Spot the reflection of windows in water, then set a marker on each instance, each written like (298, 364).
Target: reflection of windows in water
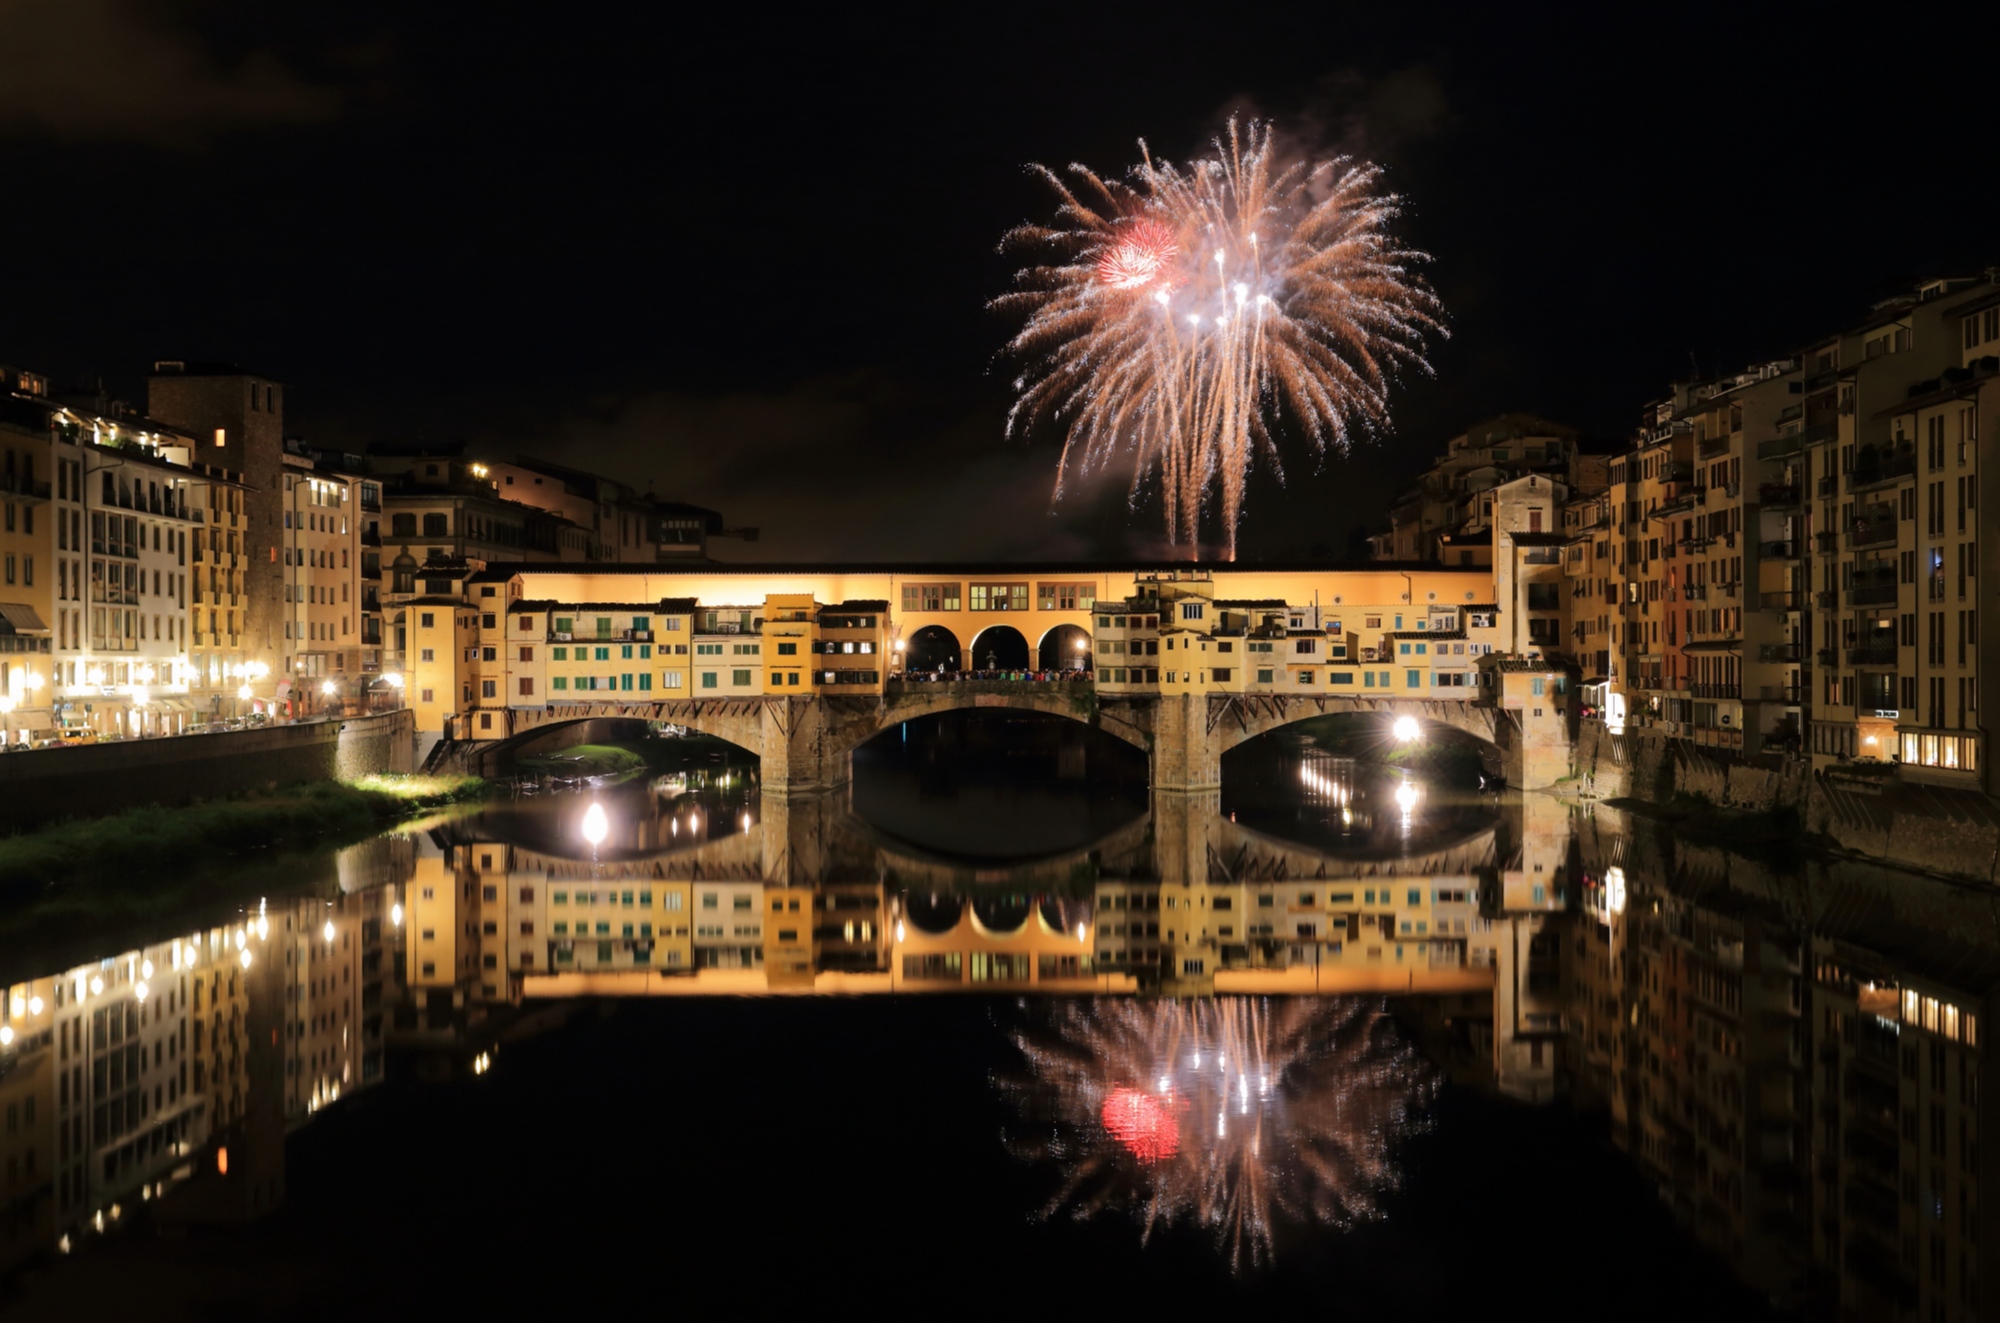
(936, 965)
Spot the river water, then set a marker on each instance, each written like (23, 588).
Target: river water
(995, 1024)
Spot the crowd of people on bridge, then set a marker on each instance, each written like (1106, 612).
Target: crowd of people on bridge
(943, 675)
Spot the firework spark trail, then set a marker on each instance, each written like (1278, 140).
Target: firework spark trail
(1256, 1113)
(1178, 316)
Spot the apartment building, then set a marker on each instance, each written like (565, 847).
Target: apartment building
(321, 556)
(234, 421)
(27, 599)
(1446, 516)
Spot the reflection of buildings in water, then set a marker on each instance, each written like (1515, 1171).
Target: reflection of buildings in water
(1237, 1115)
(177, 1066)
(1797, 1059)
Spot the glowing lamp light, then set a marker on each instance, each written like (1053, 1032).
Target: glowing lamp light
(328, 930)
(222, 1162)
(1144, 1124)
(244, 693)
(1406, 730)
(145, 969)
(595, 825)
(1406, 797)
(34, 1005)
(6, 1035)
(244, 957)
(396, 915)
(329, 688)
(1614, 889)
(97, 987)
(139, 991)
(1081, 930)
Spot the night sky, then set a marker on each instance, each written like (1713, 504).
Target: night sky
(742, 256)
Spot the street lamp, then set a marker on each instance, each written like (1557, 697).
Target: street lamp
(1407, 730)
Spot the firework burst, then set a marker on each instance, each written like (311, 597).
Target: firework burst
(1175, 316)
(1238, 1115)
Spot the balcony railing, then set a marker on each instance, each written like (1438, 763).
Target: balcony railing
(1872, 654)
(1826, 540)
(1871, 592)
(1826, 487)
(1778, 447)
(1824, 599)
(1872, 467)
(1781, 652)
(1783, 693)
(1694, 592)
(1784, 549)
(1777, 494)
(1716, 690)
(1779, 599)
(1873, 527)
(1712, 445)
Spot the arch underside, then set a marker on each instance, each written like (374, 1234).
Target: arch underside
(1235, 719)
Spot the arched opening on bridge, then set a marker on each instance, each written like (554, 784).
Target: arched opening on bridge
(1369, 785)
(1064, 648)
(998, 648)
(932, 913)
(1002, 915)
(931, 648)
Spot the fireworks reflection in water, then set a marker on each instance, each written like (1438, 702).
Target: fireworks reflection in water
(1246, 1117)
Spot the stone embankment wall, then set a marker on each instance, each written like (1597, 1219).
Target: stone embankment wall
(1948, 831)
(97, 779)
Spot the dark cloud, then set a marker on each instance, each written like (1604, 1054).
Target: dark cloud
(860, 466)
(127, 71)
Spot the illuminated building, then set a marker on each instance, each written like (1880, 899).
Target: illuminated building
(321, 558)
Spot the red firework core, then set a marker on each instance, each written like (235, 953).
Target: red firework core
(1141, 254)
(1142, 1123)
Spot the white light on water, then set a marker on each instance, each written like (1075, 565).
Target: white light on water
(595, 825)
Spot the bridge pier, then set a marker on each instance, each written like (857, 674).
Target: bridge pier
(1185, 757)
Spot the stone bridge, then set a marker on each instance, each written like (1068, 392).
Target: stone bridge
(806, 743)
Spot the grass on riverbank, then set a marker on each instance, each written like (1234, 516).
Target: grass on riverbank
(582, 760)
(141, 845)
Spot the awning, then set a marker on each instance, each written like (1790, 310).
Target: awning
(20, 618)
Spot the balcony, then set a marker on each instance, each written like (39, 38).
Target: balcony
(1781, 652)
(1710, 446)
(1779, 599)
(1789, 694)
(1874, 466)
(1777, 495)
(1873, 527)
(1827, 488)
(1872, 591)
(1826, 541)
(1872, 654)
(1824, 599)
(1715, 690)
(1678, 470)
(1826, 656)
(1694, 592)
(1784, 549)
(24, 489)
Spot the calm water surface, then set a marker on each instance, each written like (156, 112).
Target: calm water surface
(1345, 1035)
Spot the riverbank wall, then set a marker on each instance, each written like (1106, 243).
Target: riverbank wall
(49, 785)
(1864, 810)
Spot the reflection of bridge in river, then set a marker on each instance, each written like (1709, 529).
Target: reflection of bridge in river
(806, 897)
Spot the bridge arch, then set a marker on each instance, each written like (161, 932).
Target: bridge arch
(1235, 719)
(1063, 647)
(932, 647)
(998, 647)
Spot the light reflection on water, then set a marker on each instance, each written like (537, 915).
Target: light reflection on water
(1524, 947)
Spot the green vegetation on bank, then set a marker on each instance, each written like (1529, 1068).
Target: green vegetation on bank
(582, 760)
(145, 844)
